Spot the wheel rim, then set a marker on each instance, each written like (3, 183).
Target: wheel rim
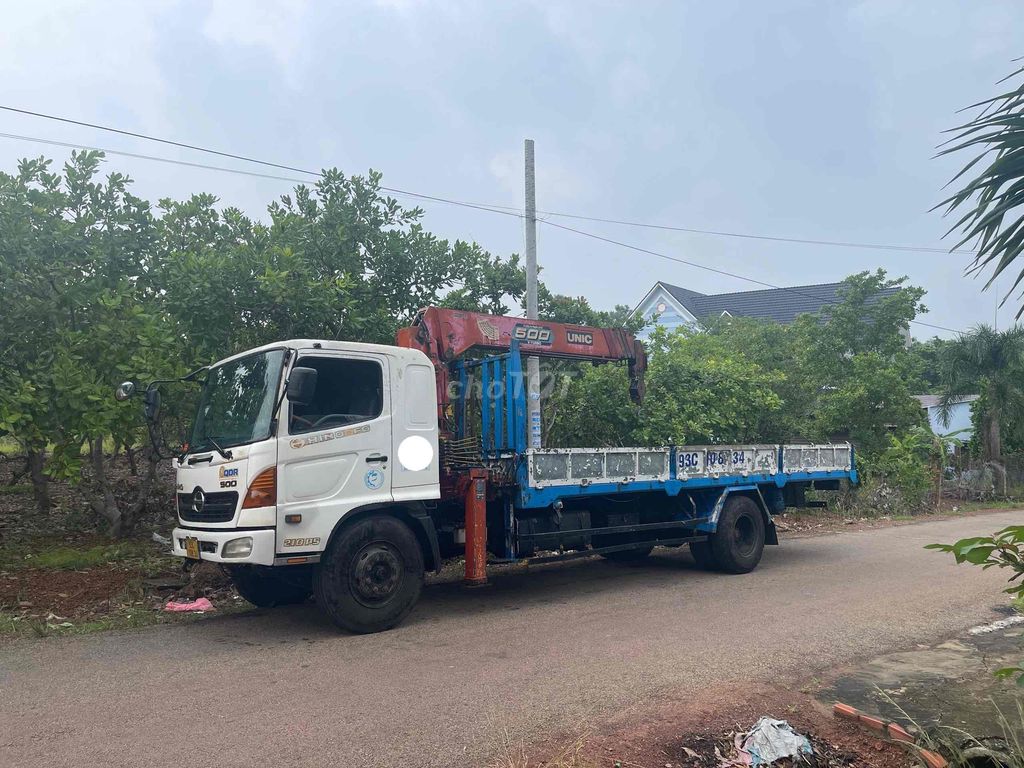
(377, 574)
(744, 535)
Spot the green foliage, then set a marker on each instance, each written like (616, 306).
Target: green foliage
(338, 260)
(927, 360)
(77, 252)
(577, 310)
(844, 375)
(1003, 549)
(698, 391)
(904, 465)
(108, 291)
(993, 198)
(991, 363)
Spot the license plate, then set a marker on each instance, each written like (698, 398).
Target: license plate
(192, 547)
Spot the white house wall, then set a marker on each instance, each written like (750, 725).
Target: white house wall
(670, 313)
(959, 419)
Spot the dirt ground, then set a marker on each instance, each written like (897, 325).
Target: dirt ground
(819, 522)
(684, 735)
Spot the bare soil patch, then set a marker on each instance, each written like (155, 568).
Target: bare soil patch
(686, 733)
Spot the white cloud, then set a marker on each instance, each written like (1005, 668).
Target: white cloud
(556, 183)
(280, 26)
(628, 83)
(71, 57)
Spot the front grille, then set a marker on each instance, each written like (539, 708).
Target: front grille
(217, 507)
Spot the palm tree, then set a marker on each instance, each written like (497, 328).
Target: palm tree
(995, 219)
(991, 363)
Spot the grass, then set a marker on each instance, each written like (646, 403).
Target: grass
(124, 619)
(18, 489)
(72, 558)
(1005, 749)
(17, 626)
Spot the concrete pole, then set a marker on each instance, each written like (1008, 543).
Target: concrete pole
(532, 363)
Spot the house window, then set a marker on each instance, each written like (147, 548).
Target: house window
(348, 391)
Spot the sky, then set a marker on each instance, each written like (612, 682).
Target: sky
(796, 119)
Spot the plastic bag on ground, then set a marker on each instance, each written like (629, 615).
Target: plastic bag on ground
(770, 740)
(198, 606)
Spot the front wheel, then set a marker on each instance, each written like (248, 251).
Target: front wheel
(371, 575)
(265, 589)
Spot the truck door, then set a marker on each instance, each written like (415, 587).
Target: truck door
(334, 452)
(414, 426)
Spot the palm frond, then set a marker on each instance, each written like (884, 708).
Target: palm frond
(991, 202)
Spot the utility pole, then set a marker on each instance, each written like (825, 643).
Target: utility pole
(532, 363)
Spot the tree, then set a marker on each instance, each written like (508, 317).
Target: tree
(993, 198)
(991, 363)
(927, 356)
(577, 310)
(698, 391)
(76, 250)
(338, 260)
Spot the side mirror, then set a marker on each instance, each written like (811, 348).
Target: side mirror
(151, 404)
(301, 385)
(124, 390)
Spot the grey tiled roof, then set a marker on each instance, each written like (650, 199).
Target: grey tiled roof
(782, 305)
(930, 401)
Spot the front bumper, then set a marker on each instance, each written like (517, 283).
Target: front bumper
(211, 544)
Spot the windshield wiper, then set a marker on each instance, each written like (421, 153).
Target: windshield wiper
(226, 454)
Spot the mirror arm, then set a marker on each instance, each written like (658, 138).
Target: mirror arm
(284, 391)
(195, 374)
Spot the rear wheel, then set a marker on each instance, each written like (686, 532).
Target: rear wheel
(265, 589)
(738, 543)
(371, 575)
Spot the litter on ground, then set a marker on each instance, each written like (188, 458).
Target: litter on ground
(197, 606)
(767, 742)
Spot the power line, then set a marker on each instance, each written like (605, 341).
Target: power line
(491, 207)
(168, 160)
(254, 174)
(695, 264)
(801, 241)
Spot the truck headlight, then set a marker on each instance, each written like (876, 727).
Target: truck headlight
(238, 548)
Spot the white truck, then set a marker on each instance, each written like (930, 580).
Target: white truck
(346, 470)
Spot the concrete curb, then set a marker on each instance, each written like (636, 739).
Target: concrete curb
(892, 731)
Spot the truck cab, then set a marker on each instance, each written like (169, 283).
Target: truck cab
(270, 472)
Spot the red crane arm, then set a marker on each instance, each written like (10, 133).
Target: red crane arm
(445, 335)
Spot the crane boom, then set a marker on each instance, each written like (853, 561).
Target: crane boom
(446, 335)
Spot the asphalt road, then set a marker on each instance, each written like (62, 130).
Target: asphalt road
(532, 654)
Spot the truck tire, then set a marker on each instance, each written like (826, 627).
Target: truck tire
(264, 589)
(627, 555)
(371, 575)
(704, 555)
(738, 543)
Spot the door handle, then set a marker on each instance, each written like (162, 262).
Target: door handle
(376, 459)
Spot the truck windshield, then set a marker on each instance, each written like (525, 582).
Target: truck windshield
(237, 402)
